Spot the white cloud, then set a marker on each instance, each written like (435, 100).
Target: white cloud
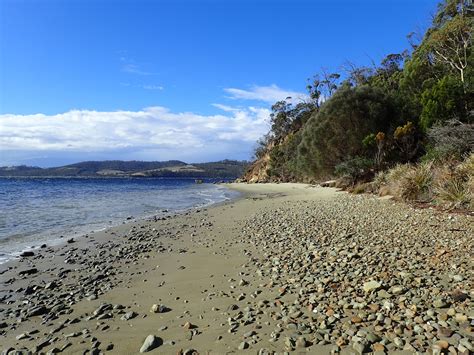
(226, 108)
(269, 94)
(153, 87)
(147, 129)
(153, 133)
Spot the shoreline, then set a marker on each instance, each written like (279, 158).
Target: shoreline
(237, 277)
(60, 238)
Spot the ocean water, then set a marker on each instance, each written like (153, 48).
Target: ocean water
(34, 211)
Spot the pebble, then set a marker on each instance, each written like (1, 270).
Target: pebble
(151, 342)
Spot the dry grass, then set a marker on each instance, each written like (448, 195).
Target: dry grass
(454, 186)
(448, 184)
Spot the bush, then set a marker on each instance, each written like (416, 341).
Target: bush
(354, 168)
(410, 182)
(336, 132)
(451, 141)
(442, 102)
(416, 184)
(454, 188)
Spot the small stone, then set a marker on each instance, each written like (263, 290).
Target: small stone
(373, 338)
(444, 332)
(159, 308)
(465, 342)
(109, 347)
(22, 336)
(129, 315)
(361, 347)
(243, 345)
(189, 325)
(460, 318)
(151, 342)
(441, 344)
(440, 303)
(378, 347)
(371, 286)
(27, 254)
(398, 342)
(396, 290)
(301, 343)
(242, 282)
(383, 294)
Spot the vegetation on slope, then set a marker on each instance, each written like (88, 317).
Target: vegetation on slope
(118, 168)
(415, 106)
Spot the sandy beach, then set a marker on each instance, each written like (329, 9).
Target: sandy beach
(286, 267)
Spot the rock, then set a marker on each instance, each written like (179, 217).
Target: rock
(232, 307)
(109, 347)
(441, 345)
(371, 286)
(27, 254)
(129, 315)
(243, 345)
(383, 294)
(398, 342)
(50, 285)
(22, 336)
(444, 332)
(397, 290)
(378, 347)
(460, 318)
(189, 325)
(459, 296)
(440, 303)
(28, 272)
(242, 282)
(467, 344)
(373, 338)
(289, 342)
(151, 342)
(301, 343)
(159, 308)
(37, 311)
(361, 347)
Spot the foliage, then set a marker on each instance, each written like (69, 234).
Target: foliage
(453, 140)
(337, 130)
(407, 141)
(449, 183)
(283, 164)
(262, 147)
(414, 182)
(368, 119)
(442, 102)
(354, 168)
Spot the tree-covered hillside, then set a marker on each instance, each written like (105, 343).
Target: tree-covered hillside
(414, 106)
(117, 168)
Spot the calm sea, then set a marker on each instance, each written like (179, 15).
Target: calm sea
(47, 210)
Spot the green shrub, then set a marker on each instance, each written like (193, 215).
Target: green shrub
(335, 133)
(442, 102)
(354, 168)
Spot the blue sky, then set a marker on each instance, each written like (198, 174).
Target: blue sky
(158, 80)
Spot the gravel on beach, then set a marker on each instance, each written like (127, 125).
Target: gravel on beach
(348, 274)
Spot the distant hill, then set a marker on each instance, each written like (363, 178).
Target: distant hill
(118, 168)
